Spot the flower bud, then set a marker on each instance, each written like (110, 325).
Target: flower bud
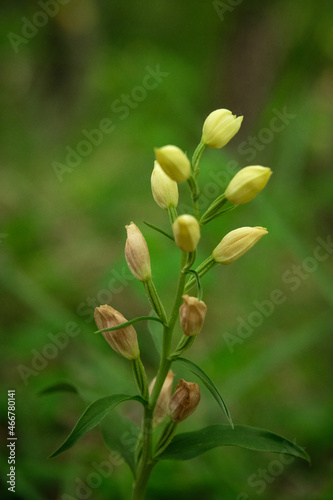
(237, 243)
(124, 341)
(186, 231)
(184, 401)
(164, 189)
(137, 253)
(219, 127)
(174, 162)
(247, 183)
(192, 315)
(162, 405)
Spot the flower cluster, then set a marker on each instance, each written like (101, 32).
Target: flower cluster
(160, 402)
(172, 166)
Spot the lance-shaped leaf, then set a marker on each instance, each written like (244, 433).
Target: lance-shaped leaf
(208, 383)
(92, 416)
(159, 230)
(118, 433)
(191, 444)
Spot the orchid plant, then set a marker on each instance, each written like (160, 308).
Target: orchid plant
(164, 408)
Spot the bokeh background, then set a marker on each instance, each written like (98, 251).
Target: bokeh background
(64, 205)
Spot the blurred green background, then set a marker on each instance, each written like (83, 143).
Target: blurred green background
(87, 64)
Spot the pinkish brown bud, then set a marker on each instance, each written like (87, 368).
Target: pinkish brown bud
(124, 341)
(184, 401)
(192, 315)
(137, 253)
(162, 405)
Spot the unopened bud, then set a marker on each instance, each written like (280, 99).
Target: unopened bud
(164, 189)
(162, 405)
(124, 340)
(219, 127)
(174, 162)
(184, 401)
(137, 253)
(247, 183)
(192, 315)
(237, 243)
(186, 231)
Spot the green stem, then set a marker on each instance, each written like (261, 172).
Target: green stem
(196, 158)
(184, 344)
(213, 209)
(173, 214)
(167, 335)
(195, 193)
(201, 270)
(165, 437)
(141, 378)
(154, 299)
(146, 463)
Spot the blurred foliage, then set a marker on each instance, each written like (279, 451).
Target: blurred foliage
(61, 243)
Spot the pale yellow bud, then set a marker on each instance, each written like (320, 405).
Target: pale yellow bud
(124, 341)
(137, 253)
(162, 405)
(192, 315)
(237, 243)
(184, 401)
(174, 162)
(247, 183)
(219, 127)
(164, 189)
(186, 231)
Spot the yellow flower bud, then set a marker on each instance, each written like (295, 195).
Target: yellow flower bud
(184, 401)
(174, 162)
(164, 189)
(247, 183)
(186, 231)
(137, 253)
(219, 127)
(237, 243)
(192, 315)
(124, 341)
(162, 405)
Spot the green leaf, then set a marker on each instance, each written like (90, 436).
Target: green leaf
(208, 383)
(92, 416)
(191, 444)
(122, 435)
(159, 230)
(128, 323)
(59, 387)
(119, 434)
